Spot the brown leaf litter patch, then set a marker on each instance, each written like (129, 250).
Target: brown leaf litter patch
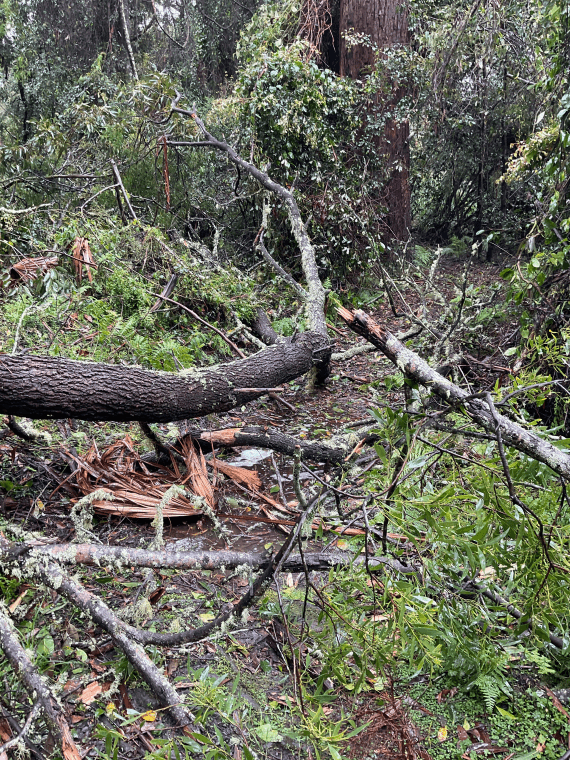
(138, 487)
(389, 732)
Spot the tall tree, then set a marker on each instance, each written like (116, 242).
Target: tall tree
(380, 25)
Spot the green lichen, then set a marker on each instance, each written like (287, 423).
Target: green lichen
(82, 514)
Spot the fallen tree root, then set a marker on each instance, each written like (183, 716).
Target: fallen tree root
(28, 674)
(476, 408)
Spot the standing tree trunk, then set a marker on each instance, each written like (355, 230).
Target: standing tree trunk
(385, 23)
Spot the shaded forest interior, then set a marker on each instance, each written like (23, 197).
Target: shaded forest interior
(284, 379)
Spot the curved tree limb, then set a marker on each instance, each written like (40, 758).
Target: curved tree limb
(57, 579)
(315, 296)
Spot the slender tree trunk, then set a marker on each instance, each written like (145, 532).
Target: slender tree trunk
(127, 37)
(385, 22)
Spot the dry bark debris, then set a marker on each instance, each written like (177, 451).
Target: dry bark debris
(474, 407)
(27, 270)
(138, 488)
(82, 257)
(137, 492)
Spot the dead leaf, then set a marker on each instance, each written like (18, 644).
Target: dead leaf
(442, 734)
(5, 730)
(90, 692)
(16, 603)
(446, 694)
(462, 734)
(157, 595)
(97, 667)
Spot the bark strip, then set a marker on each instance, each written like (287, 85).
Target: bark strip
(478, 410)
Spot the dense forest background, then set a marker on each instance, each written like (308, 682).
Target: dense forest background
(426, 147)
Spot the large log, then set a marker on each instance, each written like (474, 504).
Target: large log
(44, 387)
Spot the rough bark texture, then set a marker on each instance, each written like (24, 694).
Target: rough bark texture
(386, 23)
(27, 672)
(416, 368)
(43, 387)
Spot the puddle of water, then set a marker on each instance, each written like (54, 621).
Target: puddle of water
(250, 457)
(247, 532)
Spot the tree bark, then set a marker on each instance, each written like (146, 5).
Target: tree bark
(414, 367)
(385, 22)
(42, 387)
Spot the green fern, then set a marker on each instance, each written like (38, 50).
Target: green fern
(494, 682)
(490, 690)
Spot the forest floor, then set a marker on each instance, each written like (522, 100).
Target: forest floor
(242, 683)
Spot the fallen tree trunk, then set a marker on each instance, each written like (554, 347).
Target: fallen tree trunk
(44, 387)
(414, 367)
(334, 452)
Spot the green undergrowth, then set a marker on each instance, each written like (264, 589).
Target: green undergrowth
(110, 318)
(527, 724)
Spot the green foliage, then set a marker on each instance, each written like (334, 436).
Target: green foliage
(471, 68)
(317, 131)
